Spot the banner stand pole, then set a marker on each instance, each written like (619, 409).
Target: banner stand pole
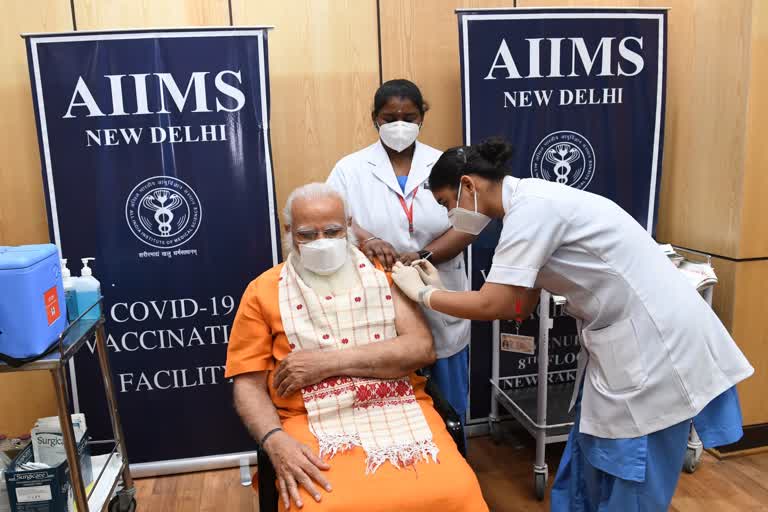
(176, 466)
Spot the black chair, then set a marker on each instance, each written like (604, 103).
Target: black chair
(268, 495)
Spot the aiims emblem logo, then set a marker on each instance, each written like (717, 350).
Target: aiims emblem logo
(564, 157)
(163, 212)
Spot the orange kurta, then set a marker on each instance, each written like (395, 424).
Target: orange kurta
(257, 342)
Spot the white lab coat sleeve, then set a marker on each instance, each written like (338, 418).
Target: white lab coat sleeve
(337, 180)
(532, 231)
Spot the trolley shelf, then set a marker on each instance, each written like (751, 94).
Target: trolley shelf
(70, 342)
(108, 469)
(522, 405)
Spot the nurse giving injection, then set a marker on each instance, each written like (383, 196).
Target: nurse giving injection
(654, 355)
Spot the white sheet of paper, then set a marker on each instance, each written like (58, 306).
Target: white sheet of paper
(33, 494)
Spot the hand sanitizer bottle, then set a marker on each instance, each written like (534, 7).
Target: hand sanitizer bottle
(88, 292)
(69, 292)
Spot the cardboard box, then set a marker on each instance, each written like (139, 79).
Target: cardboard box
(45, 490)
(5, 505)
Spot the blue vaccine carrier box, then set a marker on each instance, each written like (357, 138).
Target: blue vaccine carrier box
(32, 303)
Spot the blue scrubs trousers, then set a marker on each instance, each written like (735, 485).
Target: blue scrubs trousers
(451, 374)
(638, 474)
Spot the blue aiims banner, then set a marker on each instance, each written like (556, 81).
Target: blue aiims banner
(579, 93)
(156, 162)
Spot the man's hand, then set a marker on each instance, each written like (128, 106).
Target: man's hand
(295, 464)
(301, 369)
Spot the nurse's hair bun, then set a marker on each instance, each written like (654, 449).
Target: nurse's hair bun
(495, 150)
(486, 159)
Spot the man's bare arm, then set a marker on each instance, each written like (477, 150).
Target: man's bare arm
(295, 464)
(254, 405)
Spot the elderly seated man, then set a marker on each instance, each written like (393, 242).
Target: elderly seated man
(322, 352)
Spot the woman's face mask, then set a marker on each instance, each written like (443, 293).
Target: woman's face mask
(399, 135)
(467, 221)
(324, 256)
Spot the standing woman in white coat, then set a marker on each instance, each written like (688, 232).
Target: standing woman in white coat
(396, 219)
(654, 356)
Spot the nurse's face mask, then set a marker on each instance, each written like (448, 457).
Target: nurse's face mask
(323, 256)
(467, 221)
(399, 135)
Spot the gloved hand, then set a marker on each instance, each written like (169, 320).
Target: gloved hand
(410, 282)
(428, 273)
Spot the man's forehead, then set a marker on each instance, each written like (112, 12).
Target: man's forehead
(320, 210)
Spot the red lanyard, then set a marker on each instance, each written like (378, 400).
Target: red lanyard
(409, 212)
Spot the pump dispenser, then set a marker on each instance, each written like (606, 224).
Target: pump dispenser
(88, 291)
(69, 292)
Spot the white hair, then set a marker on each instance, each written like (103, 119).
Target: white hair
(312, 191)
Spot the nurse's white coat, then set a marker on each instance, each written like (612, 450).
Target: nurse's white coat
(367, 180)
(654, 352)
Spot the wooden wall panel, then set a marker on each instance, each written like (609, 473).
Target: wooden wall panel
(420, 42)
(324, 70)
(750, 332)
(723, 300)
(23, 398)
(101, 14)
(754, 217)
(708, 70)
(741, 302)
(22, 207)
(578, 3)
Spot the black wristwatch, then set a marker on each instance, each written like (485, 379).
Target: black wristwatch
(425, 255)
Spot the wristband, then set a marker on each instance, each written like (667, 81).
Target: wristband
(425, 255)
(269, 434)
(369, 239)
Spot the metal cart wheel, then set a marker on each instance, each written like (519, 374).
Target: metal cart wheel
(115, 505)
(540, 485)
(693, 452)
(692, 460)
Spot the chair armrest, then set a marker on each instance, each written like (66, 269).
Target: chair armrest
(442, 405)
(448, 414)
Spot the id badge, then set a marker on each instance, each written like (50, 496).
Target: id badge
(518, 343)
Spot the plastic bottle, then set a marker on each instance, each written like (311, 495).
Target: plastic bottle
(69, 292)
(88, 292)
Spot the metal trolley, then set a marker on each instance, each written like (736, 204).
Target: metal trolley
(695, 446)
(544, 411)
(109, 470)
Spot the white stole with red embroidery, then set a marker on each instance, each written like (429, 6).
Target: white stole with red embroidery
(381, 416)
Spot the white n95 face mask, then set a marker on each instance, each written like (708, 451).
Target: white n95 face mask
(398, 135)
(325, 256)
(466, 221)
